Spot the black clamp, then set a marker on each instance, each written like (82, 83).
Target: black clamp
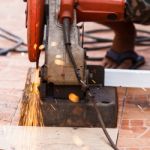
(95, 75)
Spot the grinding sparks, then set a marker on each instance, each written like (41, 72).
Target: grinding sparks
(35, 46)
(58, 56)
(59, 62)
(53, 44)
(22, 54)
(31, 113)
(73, 98)
(144, 89)
(41, 47)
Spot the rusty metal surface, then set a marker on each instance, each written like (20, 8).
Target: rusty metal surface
(59, 70)
(63, 113)
(59, 112)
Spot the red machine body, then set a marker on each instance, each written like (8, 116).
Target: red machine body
(86, 10)
(93, 10)
(100, 10)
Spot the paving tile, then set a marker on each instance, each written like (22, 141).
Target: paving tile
(136, 123)
(132, 142)
(125, 123)
(4, 122)
(133, 132)
(138, 91)
(7, 115)
(9, 98)
(147, 123)
(148, 148)
(146, 134)
(132, 149)
(136, 112)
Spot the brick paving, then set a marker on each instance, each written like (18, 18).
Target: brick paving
(134, 125)
(12, 78)
(135, 128)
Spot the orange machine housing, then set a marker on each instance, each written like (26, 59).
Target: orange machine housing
(93, 10)
(100, 10)
(87, 10)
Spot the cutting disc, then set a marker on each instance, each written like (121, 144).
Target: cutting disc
(35, 28)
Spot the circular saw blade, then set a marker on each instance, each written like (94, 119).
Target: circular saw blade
(35, 28)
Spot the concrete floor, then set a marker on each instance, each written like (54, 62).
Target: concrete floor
(134, 125)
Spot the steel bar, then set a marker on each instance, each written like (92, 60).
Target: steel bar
(127, 78)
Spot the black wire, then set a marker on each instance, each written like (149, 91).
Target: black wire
(91, 97)
(96, 48)
(98, 30)
(13, 38)
(101, 121)
(66, 33)
(77, 71)
(93, 58)
(139, 41)
(98, 39)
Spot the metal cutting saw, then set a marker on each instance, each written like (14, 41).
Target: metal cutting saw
(65, 72)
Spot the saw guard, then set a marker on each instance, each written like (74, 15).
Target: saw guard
(35, 28)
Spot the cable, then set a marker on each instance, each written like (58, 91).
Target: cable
(66, 33)
(139, 41)
(123, 105)
(13, 38)
(93, 58)
(101, 121)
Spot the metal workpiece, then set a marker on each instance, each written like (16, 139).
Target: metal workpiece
(59, 69)
(63, 113)
(127, 78)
